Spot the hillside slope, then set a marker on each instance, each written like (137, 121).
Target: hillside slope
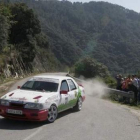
(106, 32)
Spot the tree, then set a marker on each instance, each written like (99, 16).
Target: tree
(22, 33)
(4, 26)
(109, 33)
(3, 32)
(90, 68)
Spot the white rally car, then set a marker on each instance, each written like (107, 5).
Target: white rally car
(42, 98)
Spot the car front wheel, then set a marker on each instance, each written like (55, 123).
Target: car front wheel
(52, 114)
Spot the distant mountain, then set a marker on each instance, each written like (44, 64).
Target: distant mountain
(106, 32)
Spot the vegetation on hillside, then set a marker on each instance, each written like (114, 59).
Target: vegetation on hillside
(22, 44)
(106, 32)
(65, 32)
(90, 68)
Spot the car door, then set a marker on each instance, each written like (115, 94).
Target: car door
(64, 98)
(73, 93)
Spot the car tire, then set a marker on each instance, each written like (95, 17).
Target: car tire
(78, 105)
(52, 114)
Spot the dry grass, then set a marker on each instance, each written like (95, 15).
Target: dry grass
(4, 88)
(7, 83)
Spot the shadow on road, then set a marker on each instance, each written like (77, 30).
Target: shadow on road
(18, 125)
(65, 113)
(138, 125)
(23, 125)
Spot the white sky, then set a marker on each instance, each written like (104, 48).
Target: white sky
(130, 4)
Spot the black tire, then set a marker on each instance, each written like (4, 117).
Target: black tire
(78, 105)
(52, 114)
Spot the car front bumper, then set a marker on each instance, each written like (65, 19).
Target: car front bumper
(28, 114)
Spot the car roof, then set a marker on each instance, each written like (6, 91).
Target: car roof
(59, 77)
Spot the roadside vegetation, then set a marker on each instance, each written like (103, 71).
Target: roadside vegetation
(52, 35)
(90, 68)
(24, 48)
(4, 88)
(105, 32)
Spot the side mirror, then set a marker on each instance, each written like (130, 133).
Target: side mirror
(63, 92)
(18, 87)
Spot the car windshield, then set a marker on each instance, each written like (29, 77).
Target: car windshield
(45, 85)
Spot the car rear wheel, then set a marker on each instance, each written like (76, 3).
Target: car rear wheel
(52, 114)
(78, 106)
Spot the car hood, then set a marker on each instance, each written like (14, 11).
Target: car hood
(29, 96)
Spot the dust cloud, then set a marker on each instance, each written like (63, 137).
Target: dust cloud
(95, 87)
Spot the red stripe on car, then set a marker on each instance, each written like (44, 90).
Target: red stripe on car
(37, 97)
(11, 94)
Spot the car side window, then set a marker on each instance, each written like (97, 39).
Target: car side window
(71, 84)
(64, 86)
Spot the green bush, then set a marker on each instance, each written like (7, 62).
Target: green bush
(90, 68)
(110, 81)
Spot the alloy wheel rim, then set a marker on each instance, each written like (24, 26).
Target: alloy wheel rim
(80, 103)
(52, 114)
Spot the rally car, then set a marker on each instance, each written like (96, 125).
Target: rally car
(42, 98)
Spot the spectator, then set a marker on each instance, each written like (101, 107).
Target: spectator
(124, 84)
(134, 87)
(128, 83)
(119, 82)
(139, 89)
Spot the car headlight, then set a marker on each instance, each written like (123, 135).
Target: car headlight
(4, 102)
(33, 106)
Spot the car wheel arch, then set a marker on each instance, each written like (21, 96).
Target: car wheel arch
(54, 105)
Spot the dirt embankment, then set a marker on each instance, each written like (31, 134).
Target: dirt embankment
(4, 88)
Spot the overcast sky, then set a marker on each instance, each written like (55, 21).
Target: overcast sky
(130, 4)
